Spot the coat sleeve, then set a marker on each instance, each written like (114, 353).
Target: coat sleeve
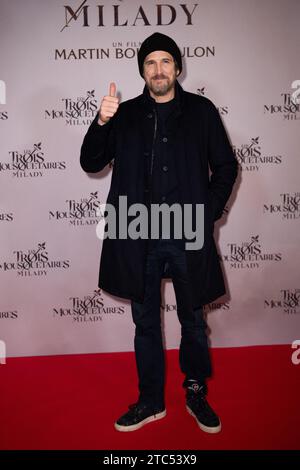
(98, 145)
(222, 162)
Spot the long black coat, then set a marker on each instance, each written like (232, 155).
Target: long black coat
(199, 142)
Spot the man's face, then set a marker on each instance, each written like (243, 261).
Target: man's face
(160, 72)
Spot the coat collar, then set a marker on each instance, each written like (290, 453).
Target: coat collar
(147, 100)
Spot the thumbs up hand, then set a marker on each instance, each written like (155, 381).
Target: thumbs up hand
(109, 105)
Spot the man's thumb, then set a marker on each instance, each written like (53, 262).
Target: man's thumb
(112, 89)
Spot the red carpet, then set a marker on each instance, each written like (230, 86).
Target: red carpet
(71, 402)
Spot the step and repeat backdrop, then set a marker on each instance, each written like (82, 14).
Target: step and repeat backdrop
(57, 60)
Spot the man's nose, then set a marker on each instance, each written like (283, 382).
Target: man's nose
(158, 69)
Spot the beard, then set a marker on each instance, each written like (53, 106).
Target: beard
(160, 85)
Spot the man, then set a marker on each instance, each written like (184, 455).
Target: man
(163, 143)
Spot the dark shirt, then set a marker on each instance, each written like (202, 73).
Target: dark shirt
(164, 179)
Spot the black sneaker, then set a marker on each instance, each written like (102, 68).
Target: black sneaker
(198, 407)
(138, 415)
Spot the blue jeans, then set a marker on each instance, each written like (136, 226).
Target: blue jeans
(194, 355)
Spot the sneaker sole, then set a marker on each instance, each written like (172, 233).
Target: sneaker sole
(135, 427)
(210, 430)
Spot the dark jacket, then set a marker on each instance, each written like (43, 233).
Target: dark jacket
(198, 142)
